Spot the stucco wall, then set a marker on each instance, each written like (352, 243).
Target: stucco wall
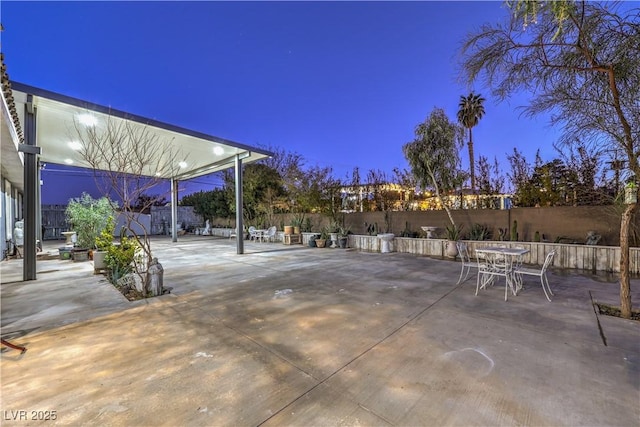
(571, 222)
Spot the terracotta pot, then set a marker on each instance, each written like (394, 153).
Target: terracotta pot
(288, 229)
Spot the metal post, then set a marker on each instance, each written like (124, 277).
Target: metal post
(239, 225)
(174, 210)
(30, 192)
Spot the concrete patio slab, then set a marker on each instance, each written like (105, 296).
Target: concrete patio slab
(288, 335)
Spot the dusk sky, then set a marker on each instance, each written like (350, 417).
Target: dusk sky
(342, 83)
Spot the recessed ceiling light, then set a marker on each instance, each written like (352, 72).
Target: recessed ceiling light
(182, 164)
(68, 161)
(88, 120)
(218, 151)
(75, 145)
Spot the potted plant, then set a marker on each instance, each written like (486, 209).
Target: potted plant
(88, 217)
(322, 240)
(104, 241)
(296, 223)
(453, 234)
(121, 257)
(343, 232)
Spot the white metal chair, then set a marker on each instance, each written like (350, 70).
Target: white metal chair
(233, 233)
(270, 235)
(542, 273)
(252, 233)
(467, 262)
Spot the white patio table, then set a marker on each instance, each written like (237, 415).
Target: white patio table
(260, 234)
(499, 262)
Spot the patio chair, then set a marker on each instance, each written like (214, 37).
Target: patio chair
(270, 235)
(542, 273)
(466, 261)
(252, 233)
(233, 233)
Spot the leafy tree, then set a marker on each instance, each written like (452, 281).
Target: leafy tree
(490, 180)
(434, 155)
(318, 191)
(210, 204)
(88, 217)
(145, 201)
(408, 184)
(580, 60)
(261, 185)
(471, 110)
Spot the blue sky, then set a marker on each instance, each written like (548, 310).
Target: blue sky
(342, 83)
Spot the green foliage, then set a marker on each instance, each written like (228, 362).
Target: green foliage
(344, 230)
(262, 189)
(88, 217)
(514, 231)
(471, 110)
(434, 155)
(407, 231)
(120, 258)
(333, 227)
(297, 220)
(371, 229)
(209, 204)
(536, 236)
(325, 233)
(479, 232)
(454, 232)
(105, 239)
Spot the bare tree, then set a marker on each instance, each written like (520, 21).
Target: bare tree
(127, 164)
(580, 60)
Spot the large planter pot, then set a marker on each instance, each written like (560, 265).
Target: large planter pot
(342, 242)
(65, 252)
(99, 260)
(321, 243)
(288, 229)
(451, 250)
(296, 229)
(80, 255)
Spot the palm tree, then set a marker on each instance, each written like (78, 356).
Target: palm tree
(470, 112)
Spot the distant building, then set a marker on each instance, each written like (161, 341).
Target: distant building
(391, 196)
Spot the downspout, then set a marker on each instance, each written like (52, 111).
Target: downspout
(174, 210)
(239, 203)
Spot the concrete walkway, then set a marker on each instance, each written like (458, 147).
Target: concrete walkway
(288, 335)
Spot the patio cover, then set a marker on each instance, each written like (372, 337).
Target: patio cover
(49, 121)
